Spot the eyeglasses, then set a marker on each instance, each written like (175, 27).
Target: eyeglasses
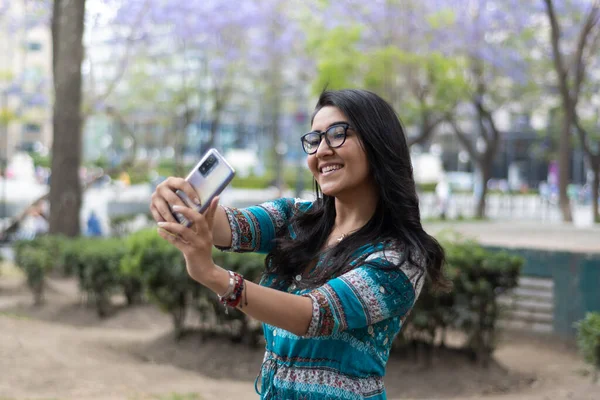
(335, 136)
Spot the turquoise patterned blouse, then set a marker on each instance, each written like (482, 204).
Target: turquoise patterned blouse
(356, 315)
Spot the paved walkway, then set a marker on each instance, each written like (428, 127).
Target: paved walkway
(525, 234)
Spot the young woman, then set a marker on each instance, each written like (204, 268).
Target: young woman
(342, 272)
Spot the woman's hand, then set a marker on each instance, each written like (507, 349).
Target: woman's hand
(195, 242)
(164, 197)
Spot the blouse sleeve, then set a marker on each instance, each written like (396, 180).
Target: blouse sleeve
(254, 228)
(366, 295)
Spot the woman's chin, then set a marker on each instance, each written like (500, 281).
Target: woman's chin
(329, 190)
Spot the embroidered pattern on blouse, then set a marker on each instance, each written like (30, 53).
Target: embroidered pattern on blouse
(231, 214)
(328, 310)
(368, 293)
(328, 313)
(244, 237)
(351, 340)
(327, 382)
(288, 374)
(277, 214)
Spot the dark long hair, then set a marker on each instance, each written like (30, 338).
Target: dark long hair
(396, 219)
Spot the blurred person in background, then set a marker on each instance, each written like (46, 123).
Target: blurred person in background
(443, 193)
(94, 227)
(34, 223)
(342, 272)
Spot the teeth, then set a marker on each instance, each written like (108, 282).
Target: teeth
(330, 168)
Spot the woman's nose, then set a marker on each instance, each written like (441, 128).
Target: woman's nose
(323, 148)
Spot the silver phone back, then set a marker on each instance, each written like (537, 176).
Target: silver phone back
(214, 182)
(209, 186)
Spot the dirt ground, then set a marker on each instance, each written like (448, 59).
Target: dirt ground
(63, 351)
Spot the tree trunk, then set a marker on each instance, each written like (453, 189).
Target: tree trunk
(595, 189)
(564, 163)
(38, 293)
(214, 127)
(220, 95)
(178, 318)
(178, 146)
(486, 173)
(178, 313)
(65, 186)
(278, 156)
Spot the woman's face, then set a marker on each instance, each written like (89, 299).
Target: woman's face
(341, 170)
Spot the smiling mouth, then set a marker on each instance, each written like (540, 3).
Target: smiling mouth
(330, 169)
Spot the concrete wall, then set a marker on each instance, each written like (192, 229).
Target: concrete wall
(570, 281)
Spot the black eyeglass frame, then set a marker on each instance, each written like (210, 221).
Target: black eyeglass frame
(324, 134)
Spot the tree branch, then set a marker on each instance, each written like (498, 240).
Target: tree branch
(464, 140)
(493, 141)
(592, 49)
(427, 128)
(111, 111)
(125, 60)
(556, 52)
(583, 136)
(582, 40)
(55, 41)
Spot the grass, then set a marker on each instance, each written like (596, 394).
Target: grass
(14, 316)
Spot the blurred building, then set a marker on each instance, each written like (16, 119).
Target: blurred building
(527, 149)
(25, 78)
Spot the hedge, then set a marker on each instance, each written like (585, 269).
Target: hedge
(144, 267)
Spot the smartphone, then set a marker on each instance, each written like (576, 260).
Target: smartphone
(209, 177)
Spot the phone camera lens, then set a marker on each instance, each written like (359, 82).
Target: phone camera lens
(208, 165)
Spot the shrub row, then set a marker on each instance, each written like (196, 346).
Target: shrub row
(142, 266)
(479, 276)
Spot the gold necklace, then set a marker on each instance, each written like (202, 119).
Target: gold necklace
(342, 236)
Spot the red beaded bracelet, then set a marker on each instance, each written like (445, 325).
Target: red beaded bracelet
(234, 299)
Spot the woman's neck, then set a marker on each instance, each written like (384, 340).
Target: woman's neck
(354, 210)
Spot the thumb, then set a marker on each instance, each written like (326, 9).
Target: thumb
(212, 210)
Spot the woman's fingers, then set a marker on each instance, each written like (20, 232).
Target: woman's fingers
(179, 231)
(155, 214)
(163, 209)
(171, 198)
(199, 221)
(164, 197)
(210, 213)
(173, 239)
(175, 184)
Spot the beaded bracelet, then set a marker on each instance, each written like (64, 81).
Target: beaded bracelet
(230, 289)
(232, 298)
(235, 298)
